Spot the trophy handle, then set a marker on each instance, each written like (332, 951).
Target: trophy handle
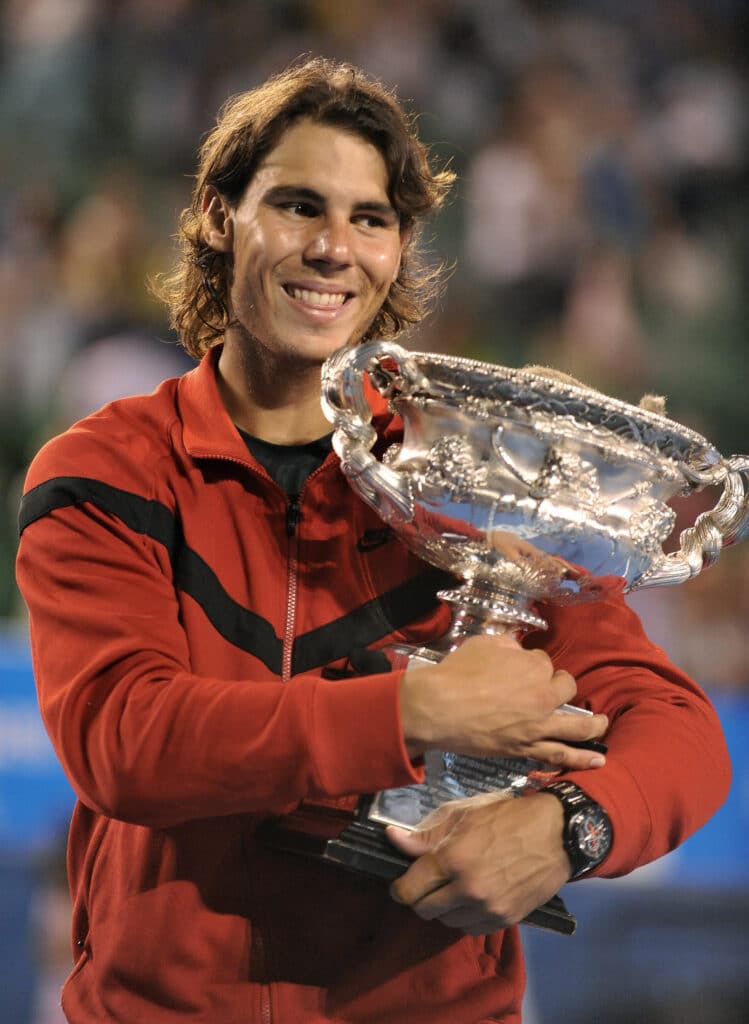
(346, 406)
(725, 524)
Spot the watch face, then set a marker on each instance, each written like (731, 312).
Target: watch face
(593, 833)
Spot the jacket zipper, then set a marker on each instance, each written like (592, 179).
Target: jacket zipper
(258, 954)
(293, 518)
(293, 515)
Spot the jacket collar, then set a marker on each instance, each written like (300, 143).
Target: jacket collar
(208, 430)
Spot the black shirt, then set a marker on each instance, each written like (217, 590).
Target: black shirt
(289, 464)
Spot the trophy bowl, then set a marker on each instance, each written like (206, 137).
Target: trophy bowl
(529, 489)
(526, 485)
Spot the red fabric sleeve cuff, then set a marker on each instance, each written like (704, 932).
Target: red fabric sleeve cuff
(369, 752)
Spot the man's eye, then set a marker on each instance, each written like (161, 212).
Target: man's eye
(370, 220)
(301, 209)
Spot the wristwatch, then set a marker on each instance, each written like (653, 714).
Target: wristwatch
(587, 828)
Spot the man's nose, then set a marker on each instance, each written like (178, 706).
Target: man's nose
(330, 243)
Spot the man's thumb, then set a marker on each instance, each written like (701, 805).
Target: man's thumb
(412, 842)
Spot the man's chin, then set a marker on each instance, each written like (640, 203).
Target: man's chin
(295, 347)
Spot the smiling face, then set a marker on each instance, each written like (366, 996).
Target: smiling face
(315, 243)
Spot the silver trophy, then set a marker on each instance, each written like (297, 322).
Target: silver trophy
(530, 489)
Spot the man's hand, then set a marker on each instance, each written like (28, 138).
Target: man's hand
(483, 863)
(491, 697)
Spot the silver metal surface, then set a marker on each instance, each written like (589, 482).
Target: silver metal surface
(530, 488)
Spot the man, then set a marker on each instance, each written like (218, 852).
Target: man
(198, 571)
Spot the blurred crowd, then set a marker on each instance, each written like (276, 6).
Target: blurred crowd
(600, 224)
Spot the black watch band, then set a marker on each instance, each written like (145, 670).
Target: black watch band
(587, 828)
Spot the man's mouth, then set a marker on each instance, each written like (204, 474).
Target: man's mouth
(315, 298)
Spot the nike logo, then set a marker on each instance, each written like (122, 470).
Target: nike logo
(372, 539)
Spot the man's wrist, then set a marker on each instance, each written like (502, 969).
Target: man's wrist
(587, 833)
(414, 710)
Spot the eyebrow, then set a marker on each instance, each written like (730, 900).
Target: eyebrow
(278, 193)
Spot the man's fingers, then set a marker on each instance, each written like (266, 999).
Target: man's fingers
(565, 687)
(560, 755)
(412, 842)
(425, 876)
(443, 899)
(418, 841)
(448, 903)
(565, 726)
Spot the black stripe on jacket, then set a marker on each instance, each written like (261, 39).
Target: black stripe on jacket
(240, 626)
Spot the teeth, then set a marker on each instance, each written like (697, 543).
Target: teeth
(318, 298)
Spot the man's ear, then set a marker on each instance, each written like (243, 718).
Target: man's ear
(218, 221)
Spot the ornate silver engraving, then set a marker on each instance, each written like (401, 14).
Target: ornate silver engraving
(565, 475)
(530, 488)
(451, 465)
(650, 525)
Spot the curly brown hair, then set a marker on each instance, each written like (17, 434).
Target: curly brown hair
(249, 126)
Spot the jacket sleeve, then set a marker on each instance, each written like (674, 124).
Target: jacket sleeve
(668, 768)
(143, 738)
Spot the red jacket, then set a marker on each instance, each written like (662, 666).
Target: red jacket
(179, 625)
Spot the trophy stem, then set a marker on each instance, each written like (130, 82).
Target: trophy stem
(478, 609)
(485, 609)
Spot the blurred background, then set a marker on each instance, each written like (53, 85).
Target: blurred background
(599, 226)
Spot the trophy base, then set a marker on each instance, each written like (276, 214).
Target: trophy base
(356, 844)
